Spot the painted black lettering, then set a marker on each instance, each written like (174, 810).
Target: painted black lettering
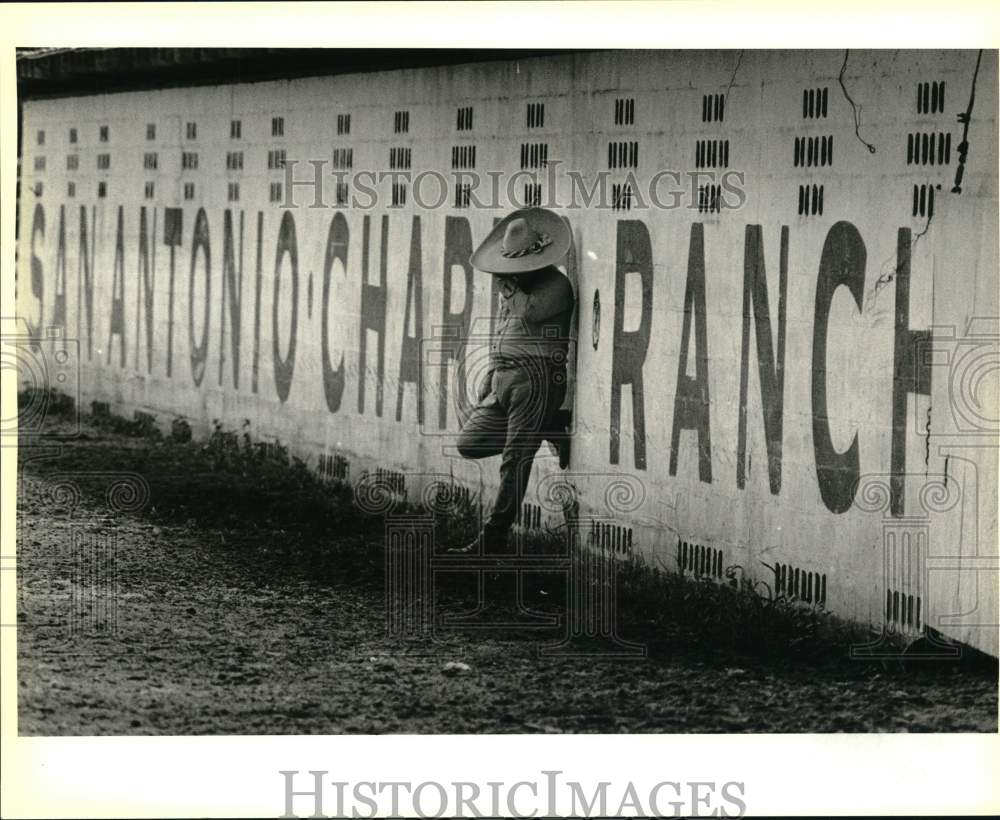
(410, 365)
(173, 224)
(258, 286)
(691, 399)
(841, 263)
(232, 285)
(284, 368)
(201, 241)
(145, 289)
(911, 372)
(455, 323)
(117, 325)
(634, 255)
(373, 305)
(59, 296)
(37, 272)
(770, 365)
(337, 241)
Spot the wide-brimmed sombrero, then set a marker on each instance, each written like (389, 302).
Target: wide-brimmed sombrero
(523, 241)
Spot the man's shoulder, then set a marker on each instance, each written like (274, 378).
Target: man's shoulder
(559, 282)
(553, 277)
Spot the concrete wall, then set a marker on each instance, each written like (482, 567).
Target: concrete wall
(803, 386)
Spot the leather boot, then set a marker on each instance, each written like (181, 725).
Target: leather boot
(561, 437)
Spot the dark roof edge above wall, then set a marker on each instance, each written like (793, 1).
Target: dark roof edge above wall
(63, 72)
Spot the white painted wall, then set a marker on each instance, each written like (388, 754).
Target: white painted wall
(953, 290)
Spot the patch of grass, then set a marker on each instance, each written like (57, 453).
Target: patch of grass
(141, 425)
(45, 401)
(737, 616)
(227, 481)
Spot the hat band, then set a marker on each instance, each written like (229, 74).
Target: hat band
(542, 241)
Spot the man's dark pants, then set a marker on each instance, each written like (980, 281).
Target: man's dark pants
(521, 412)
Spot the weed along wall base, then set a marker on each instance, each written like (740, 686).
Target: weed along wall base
(784, 263)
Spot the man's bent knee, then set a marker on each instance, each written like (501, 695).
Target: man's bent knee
(473, 446)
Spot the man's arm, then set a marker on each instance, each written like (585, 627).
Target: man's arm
(487, 383)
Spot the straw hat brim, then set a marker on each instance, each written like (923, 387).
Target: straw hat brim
(488, 256)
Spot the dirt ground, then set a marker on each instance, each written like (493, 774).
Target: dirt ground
(211, 631)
